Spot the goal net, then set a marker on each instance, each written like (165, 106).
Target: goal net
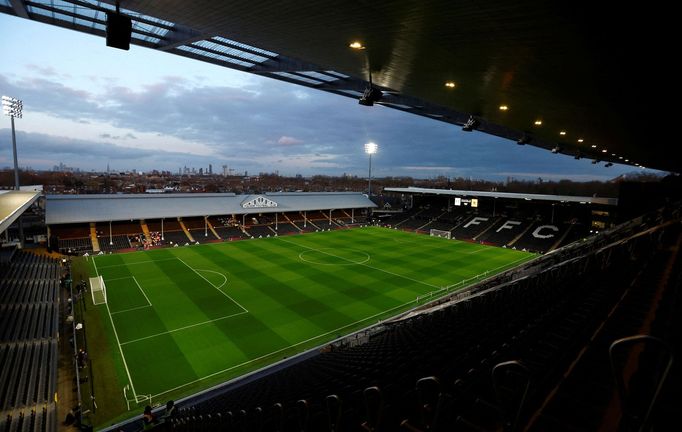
(98, 290)
(440, 233)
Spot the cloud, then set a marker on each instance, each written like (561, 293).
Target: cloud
(117, 137)
(428, 168)
(176, 122)
(287, 140)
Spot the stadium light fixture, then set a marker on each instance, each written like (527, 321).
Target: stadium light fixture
(538, 122)
(470, 124)
(562, 133)
(12, 108)
(504, 107)
(370, 148)
(524, 139)
(371, 94)
(450, 84)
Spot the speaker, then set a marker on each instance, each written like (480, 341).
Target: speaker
(119, 28)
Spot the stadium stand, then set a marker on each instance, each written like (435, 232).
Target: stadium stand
(29, 320)
(260, 231)
(528, 349)
(474, 226)
(504, 231)
(540, 236)
(199, 230)
(75, 246)
(286, 228)
(115, 242)
(172, 232)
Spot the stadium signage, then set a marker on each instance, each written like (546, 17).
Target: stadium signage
(259, 202)
(473, 202)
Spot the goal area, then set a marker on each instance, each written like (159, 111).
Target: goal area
(440, 233)
(98, 290)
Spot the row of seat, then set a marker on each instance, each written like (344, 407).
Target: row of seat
(76, 245)
(27, 321)
(28, 291)
(29, 373)
(39, 419)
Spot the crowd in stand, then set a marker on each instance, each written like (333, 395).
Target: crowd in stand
(154, 239)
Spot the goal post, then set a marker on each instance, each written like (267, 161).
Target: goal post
(440, 233)
(98, 290)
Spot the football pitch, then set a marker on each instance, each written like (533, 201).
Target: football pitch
(186, 318)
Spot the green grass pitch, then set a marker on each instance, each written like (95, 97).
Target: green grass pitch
(186, 318)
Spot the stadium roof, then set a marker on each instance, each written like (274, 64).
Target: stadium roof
(510, 195)
(575, 67)
(62, 209)
(13, 204)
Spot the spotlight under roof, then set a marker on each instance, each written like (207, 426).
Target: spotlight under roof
(470, 124)
(524, 139)
(371, 95)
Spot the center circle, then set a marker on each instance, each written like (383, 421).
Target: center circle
(334, 256)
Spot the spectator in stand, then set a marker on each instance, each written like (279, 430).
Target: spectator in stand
(148, 419)
(82, 358)
(170, 411)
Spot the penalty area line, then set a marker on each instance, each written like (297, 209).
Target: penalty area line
(182, 328)
(118, 341)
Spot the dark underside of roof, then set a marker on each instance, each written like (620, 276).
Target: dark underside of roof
(600, 71)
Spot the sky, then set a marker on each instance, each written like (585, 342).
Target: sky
(87, 105)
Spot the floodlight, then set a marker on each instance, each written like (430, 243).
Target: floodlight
(470, 124)
(371, 95)
(524, 139)
(371, 148)
(12, 107)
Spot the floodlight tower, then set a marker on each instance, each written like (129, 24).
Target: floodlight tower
(370, 149)
(12, 107)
